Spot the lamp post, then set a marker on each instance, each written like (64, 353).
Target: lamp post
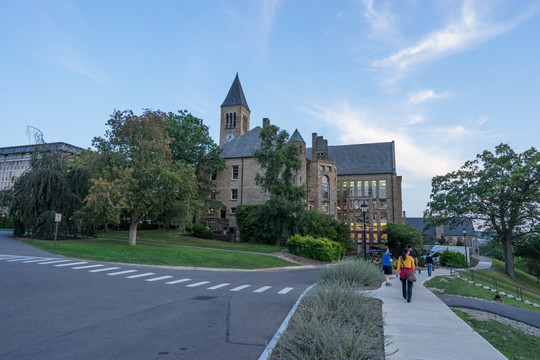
(364, 207)
(465, 244)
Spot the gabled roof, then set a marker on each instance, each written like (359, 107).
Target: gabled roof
(419, 224)
(296, 137)
(235, 95)
(359, 159)
(242, 146)
(57, 146)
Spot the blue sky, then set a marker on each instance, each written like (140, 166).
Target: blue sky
(443, 79)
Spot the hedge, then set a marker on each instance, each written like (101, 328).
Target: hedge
(315, 248)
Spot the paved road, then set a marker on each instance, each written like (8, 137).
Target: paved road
(58, 308)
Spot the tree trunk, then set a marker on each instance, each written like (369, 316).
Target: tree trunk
(508, 256)
(133, 233)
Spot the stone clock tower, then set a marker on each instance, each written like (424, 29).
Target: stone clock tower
(234, 114)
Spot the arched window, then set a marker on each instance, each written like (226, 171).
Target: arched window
(325, 187)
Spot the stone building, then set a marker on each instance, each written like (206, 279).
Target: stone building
(15, 160)
(337, 178)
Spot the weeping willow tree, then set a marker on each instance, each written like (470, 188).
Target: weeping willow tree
(48, 187)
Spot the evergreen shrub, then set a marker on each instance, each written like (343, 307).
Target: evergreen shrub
(457, 259)
(199, 230)
(324, 226)
(315, 248)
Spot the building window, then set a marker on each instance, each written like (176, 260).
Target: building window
(325, 187)
(235, 172)
(213, 177)
(358, 188)
(321, 167)
(366, 188)
(382, 189)
(374, 189)
(233, 210)
(213, 195)
(329, 168)
(325, 208)
(234, 194)
(351, 189)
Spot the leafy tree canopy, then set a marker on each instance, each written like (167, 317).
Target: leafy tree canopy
(135, 175)
(500, 189)
(398, 236)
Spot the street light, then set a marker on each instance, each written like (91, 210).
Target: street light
(364, 207)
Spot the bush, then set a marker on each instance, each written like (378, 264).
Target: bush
(457, 259)
(320, 249)
(250, 222)
(421, 261)
(354, 273)
(199, 230)
(324, 226)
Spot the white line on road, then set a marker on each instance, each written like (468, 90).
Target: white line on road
(198, 284)
(106, 269)
(53, 262)
(86, 267)
(241, 287)
(139, 275)
(260, 290)
(21, 259)
(159, 278)
(285, 290)
(218, 286)
(177, 281)
(122, 272)
(70, 264)
(35, 260)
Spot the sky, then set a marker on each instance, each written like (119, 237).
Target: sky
(444, 79)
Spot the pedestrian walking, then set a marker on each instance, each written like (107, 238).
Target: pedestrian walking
(387, 265)
(413, 254)
(429, 263)
(406, 265)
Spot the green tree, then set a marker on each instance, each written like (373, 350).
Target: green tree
(280, 161)
(529, 249)
(191, 144)
(48, 187)
(501, 190)
(398, 236)
(135, 175)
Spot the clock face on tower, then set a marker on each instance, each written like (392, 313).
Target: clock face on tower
(229, 136)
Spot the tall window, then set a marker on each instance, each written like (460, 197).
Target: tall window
(234, 194)
(382, 189)
(235, 172)
(374, 189)
(358, 188)
(366, 188)
(325, 208)
(351, 189)
(325, 187)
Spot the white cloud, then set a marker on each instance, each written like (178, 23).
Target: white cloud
(416, 119)
(81, 67)
(469, 29)
(379, 20)
(424, 96)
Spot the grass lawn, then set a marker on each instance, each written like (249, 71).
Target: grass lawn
(177, 238)
(513, 343)
(156, 254)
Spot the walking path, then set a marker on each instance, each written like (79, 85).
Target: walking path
(426, 328)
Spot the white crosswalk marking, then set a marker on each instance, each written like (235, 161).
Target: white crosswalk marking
(139, 275)
(106, 269)
(87, 267)
(285, 290)
(218, 286)
(35, 260)
(260, 290)
(241, 287)
(71, 264)
(177, 281)
(13, 260)
(198, 284)
(122, 272)
(52, 262)
(159, 278)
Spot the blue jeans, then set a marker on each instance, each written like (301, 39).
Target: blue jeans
(429, 267)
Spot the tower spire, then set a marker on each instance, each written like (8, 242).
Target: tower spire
(236, 94)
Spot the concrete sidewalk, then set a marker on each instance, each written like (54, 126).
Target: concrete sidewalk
(426, 328)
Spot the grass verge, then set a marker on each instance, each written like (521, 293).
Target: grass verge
(177, 238)
(335, 321)
(156, 254)
(513, 343)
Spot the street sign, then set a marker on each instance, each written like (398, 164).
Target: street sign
(57, 217)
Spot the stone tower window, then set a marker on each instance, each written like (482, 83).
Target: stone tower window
(325, 187)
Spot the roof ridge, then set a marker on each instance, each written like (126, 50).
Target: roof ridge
(235, 96)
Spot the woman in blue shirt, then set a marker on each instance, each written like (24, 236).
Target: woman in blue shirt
(387, 265)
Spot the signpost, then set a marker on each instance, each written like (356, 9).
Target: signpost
(57, 219)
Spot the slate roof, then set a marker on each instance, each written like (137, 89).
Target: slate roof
(419, 224)
(242, 146)
(57, 146)
(359, 159)
(296, 137)
(236, 95)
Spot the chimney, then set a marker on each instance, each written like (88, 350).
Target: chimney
(266, 122)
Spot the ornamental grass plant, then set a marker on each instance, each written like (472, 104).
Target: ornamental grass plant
(357, 273)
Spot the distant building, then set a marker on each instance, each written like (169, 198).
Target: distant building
(337, 178)
(15, 160)
(464, 233)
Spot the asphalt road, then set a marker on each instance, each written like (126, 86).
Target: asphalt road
(59, 308)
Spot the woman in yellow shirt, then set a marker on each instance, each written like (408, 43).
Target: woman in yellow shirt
(407, 262)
